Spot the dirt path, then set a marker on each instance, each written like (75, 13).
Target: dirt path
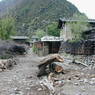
(19, 80)
(22, 79)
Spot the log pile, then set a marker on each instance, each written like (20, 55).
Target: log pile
(49, 65)
(7, 64)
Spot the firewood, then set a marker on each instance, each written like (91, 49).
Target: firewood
(47, 65)
(51, 58)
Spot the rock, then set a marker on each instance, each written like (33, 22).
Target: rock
(83, 90)
(27, 88)
(59, 83)
(76, 84)
(29, 77)
(93, 79)
(46, 83)
(81, 80)
(1, 70)
(78, 94)
(6, 64)
(18, 91)
(69, 78)
(85, 81)
(39, 89)
(92, 83)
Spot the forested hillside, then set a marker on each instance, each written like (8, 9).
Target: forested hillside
(33, 14)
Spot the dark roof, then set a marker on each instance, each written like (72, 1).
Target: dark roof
(89, 31)
(76, 20)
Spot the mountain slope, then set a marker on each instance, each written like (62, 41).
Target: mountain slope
(34, 14)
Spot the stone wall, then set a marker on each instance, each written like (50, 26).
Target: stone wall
(86, 47)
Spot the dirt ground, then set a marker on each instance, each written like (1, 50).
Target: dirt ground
(22, 79)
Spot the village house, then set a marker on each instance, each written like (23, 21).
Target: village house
(67, 34)
(48, 45)
(34, 39)
(20, 39)
(83, 47)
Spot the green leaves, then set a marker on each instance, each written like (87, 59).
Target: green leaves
(39, 13)
(78, 27)
(53, 30)
(40, 33)
(7, 28)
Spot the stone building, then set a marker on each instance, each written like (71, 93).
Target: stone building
(66, 29)
(82, 47)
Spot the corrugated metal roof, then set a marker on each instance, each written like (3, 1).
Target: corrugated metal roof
(19, 37)
(51, 38)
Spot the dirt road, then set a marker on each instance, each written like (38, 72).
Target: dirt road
(18, 81)
(22, 80)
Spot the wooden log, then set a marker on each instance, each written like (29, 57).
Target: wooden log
(47, 65)
(51, 58)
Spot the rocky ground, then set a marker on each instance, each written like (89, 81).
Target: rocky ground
(22, 79)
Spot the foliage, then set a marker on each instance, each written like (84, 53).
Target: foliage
(7, 27)
(37, 14)
(40, 33)
(77, 28)
(6, 56)
(34, 49)
(53, 30)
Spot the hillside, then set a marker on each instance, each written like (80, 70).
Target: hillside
(33, 14)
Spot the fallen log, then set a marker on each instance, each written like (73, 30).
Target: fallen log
(79, 63)
(56, 67)
(49, 65)
(51, 58)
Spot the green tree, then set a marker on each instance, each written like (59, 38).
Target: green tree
(78, 27)
(7, 27)
(53, 30)
(40, 33)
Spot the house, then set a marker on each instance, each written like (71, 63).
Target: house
(34, 38)
(67, 34)
(90, 34)
(83, 47)
(20, 39)
(48, 45)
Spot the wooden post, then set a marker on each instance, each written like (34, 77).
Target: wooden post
(43, 48)
(65, 32)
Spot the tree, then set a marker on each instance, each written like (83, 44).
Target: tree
(40, 33)
(53, 30)
(78, 27)
(7, 27)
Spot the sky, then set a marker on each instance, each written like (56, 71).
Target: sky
(85, 6)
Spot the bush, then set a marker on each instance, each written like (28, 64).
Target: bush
(53, 30)
(7, 27)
